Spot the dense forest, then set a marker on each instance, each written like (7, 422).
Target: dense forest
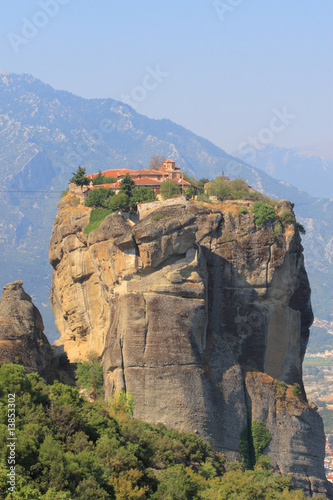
(68, 447)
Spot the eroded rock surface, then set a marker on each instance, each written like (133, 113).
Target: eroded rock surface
(182, 307)
(22, 338)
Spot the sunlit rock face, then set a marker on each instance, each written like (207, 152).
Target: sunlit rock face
(195, 311)
(22, 338)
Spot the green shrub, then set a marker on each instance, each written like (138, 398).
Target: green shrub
(297, 391)
(277, 229)
(102, 179)
(254, 438)
(65, 193)
(204, 197)
(158, 217)
(142, 194)
(276, 232)
(254, 195)
(127, 185)
(89, 376)
(237, 195)
(219, 188)
(281, 388)
(169, 189)
(175, 483)
(301, 228)
(97, 215)
(286, 218)
(264, 462)
(261, 438)
(263, 213)
(239, 189)
(190, 191)
(13, 379)
(243, 210)
(201, 182)
(99, 198)
(246, 447)
(119, 202)
(122, 402)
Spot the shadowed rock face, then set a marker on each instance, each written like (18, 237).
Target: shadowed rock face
(22, 338)
(195, 311)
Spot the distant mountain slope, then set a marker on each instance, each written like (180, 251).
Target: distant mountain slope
(303, 168)
(45, 134)
(323, 148)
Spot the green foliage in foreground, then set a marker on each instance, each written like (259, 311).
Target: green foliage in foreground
(97, 215)
(89, 376)
(69, 448)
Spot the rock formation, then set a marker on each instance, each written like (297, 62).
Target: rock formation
(22, 338)
(196, 312)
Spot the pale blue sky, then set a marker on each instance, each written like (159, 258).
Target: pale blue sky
(226, 73)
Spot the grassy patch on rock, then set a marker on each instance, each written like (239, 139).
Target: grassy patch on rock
(97, 215)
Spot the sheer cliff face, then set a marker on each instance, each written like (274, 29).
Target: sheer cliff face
(195, 311)
(22, 338)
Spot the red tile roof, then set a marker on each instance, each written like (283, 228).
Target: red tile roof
(112, 172)
(123, 171)
(147, 181)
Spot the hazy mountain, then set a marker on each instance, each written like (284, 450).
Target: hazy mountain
(324, 149)
(302, 167)
(45, 134)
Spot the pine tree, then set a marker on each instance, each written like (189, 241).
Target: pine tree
(127, 185)
(79, 177)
